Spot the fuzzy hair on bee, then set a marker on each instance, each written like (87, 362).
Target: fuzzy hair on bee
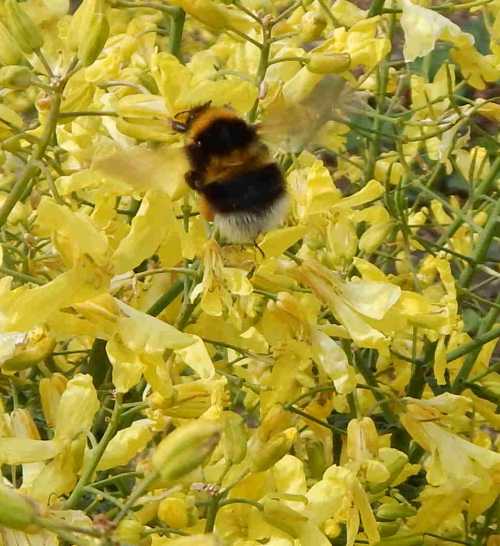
(241, 187)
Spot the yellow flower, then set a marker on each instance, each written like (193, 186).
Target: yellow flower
(453, 459)
(219, 283)
(357, 304)
(423, 27)
(477, 69)
(340, 497)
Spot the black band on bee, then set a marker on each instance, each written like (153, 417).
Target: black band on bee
(251, 191)
(219, 138)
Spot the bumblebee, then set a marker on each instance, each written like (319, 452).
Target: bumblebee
(242, 189)
(228, 161)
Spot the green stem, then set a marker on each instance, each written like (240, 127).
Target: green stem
(328, 12)
(21, 276)
(325, 424)
(473, 348)
(364, 369)
(235, 500)
(64, 115)
(262, 68)
(133, 498)
(166, 299)
(95, 457)
(212, 510)
(177, 18)
(481, 340)
(31, 169)
(54, 527)
(376, 8)
(382, 82)
(482, 246)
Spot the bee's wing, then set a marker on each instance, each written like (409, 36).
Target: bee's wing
(142, 169)
(291, 126)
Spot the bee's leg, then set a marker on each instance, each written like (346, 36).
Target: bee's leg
(262, 253)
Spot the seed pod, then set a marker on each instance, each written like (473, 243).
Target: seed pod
(328, 63)
(23, 29)
(235, 440)
(10, 52)
(15, 77)
(93, 43)
(185, 449)
(16, 512)
(265, 456)
(391, 510)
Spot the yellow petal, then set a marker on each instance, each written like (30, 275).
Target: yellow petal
(371, 191)
(126, 443)
(77, 408)
(275, 242)
(196, 357)
(333, 361)
(73, 232)
(26, 450)
(30, 307)
(370, 298)
(146, 233)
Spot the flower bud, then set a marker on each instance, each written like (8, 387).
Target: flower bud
(362, 439)
(10, 52)
(16, 512)
(94, 41)
(390, 511)
(129, 531)
(51, 389)
(15, 77)
(23, 29)
(265, 456)
(23, 425)
(79, 26)
(178, 511)
(328, 63)
(316, 458)
(388, 528)
(312, 25)
(235, 440)
(185, 448)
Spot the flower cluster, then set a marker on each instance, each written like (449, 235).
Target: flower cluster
(335, 383)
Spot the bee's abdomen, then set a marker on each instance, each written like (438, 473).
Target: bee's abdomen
(250, 191)
(219, 138)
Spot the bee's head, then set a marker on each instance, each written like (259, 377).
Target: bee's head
(182, 121)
